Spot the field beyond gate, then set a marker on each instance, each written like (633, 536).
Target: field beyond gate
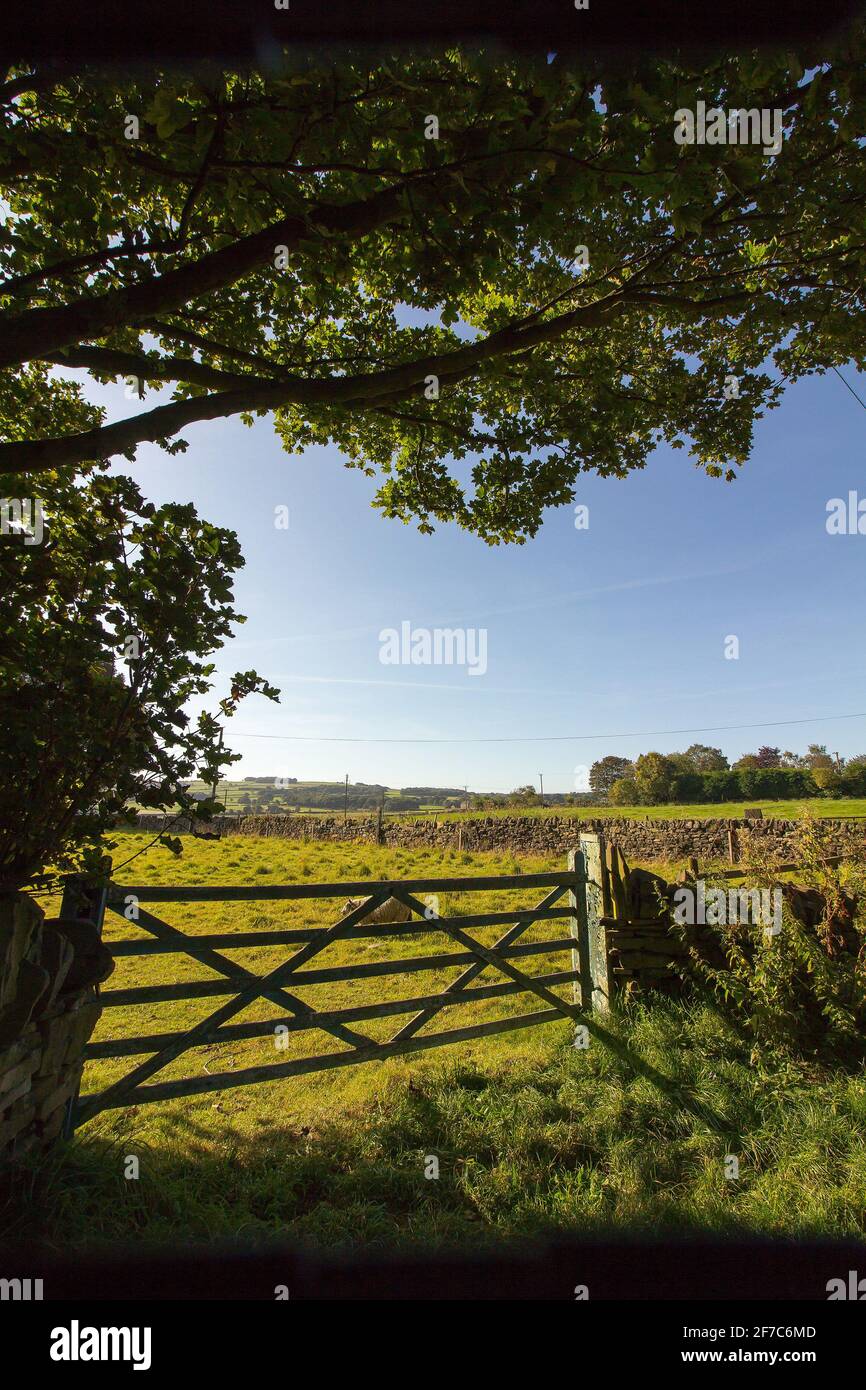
(503, 944)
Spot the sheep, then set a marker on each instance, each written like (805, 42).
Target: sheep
(391, 910)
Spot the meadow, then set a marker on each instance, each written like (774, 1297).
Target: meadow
(229, 794)
(531, 1135)
(822, 807)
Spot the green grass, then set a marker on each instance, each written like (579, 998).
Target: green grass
(819, 806)
(531, 1135)
(729, 810)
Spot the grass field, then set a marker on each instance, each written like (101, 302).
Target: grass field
(531, 1135)
(819, 806)
(729, 810)
(822, 807)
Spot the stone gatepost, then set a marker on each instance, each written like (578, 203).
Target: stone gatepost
(49, 970)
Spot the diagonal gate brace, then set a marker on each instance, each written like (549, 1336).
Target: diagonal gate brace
(256, 988)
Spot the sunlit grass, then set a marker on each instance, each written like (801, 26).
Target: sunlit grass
(820, 806)
(531, 1135)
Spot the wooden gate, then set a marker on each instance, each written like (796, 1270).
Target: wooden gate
(569, 900)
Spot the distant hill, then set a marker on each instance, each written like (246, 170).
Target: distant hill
(275, 794)
(282, 795)
(438, 794)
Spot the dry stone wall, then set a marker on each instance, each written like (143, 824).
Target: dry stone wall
(639, 840)
(48, 1010)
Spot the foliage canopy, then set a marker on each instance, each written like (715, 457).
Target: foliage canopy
(292, 242)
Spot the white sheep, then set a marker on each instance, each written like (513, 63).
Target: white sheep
(391, 910)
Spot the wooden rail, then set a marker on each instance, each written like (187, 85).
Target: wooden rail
(365, 887)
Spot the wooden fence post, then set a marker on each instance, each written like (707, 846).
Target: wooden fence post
(600, 978)
(84, 900)
(579, 930)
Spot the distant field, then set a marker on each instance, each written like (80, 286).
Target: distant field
(823, 807)
(532, 1135)
(731, 810)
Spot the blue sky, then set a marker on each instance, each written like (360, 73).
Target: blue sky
(611, 633)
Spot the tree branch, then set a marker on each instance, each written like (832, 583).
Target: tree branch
(59, 270)
(196, 340)
(36, 332)
(372, 388)
(108, 362)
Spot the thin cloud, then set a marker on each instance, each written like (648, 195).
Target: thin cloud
(533, 605)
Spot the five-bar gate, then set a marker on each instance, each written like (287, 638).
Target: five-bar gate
(571, 899)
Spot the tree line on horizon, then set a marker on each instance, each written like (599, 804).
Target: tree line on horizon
(274, 795)
(699, 774)
(703, 774)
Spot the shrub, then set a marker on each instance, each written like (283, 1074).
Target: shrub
(803, 990)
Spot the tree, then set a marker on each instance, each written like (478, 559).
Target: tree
(624, 792)
(686, 784)
(123, 603)
(681, 763)
(826, 778)
(582, 285)
(606, 771)
(768, 757)
(705, 759)
(817, 756)
(791, 760)
(654, 774)
(524, 796)
(765, 757)
(854, 776)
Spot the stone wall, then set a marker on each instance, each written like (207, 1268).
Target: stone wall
(639, 840)
(48, 1010)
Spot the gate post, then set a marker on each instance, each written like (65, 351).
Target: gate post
(578, 927)
(83, 901)
(598, 966)
(48, 1009)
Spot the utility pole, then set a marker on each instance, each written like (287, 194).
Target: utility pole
(214, 789)
(346, 802)
(541, 780)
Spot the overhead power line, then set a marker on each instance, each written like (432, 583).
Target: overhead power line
(559, 738)
(850, 387)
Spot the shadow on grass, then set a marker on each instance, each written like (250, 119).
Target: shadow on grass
(464, 1155)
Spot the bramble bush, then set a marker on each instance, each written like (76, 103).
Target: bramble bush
(801, 991)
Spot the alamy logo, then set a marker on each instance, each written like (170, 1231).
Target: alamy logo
(702, 906)
(22, 516)
(441, 646)
(20, 1290)
(846, 518)
(77, 1343)
(851, 1290)
(737, 127)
